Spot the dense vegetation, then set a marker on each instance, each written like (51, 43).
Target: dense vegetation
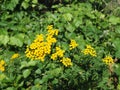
(59, 44)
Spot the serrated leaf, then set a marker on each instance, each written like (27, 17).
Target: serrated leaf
(68, 16)
(117, 69)
(4, 39)
(10, 88)
(116, 43)
(70, 35)
(15, 41)
(76, 57)
(20, 36)
(2, 76)
(23, 64)
(25, 5)
(117, 29)
(35, 1)
(78, 22)
(31, 63)
(65, 46)
(12, 4)
(55, 81)
(55, 72)
(114, 20)
(26, 73)
(117, 54)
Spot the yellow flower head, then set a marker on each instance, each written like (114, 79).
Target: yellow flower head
(2, 65)
(89, 51)
(39, 38)
(51, 40)
(73, 44)
(41, 46)
(52, 32)
(59, 53)
(15, 56)
(54, 56)
(50, 27)
(38, 50)
(66, 62)
(108, 60)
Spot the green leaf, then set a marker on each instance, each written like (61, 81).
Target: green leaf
(17, 40)
(4, 39)
(26, 73)
(116, 43)
(38, 71)
(54, 72)
(37, 81)
(117, 54)
(76, 57)
(10, 88)
(12, 4)
(65, 46)
(31, 63)
(117, 29)
(23, 64)
(68, 16)
(25, 5)
(117, 69)
(114, 20)
(20, 36)
(35, 1)
(55, 81)
(80, 40)
(27, 0)
(70, 28)
(2, 76)
(77, 22)
(70, 35)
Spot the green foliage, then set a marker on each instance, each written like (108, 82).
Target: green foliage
(86, 22)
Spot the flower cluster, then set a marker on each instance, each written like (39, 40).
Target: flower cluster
(16, 55)
(66, 61)
(41, 46)
(89, 51)
(108, 60)
(59, 53)
(73, 44)
(2, 65)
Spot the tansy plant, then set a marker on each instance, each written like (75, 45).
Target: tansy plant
(42, 47)
(75, 67)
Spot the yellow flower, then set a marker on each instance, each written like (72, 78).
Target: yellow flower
(59, 53)
(66, 62)
(52, 32)
(54, 56)
(2, 65)
(89, 51)
(73, 44)
(15, 56)
(41, 46)
(39, 38)
(2, 62)
(51, 40)
(50, 27)
(108, 60)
